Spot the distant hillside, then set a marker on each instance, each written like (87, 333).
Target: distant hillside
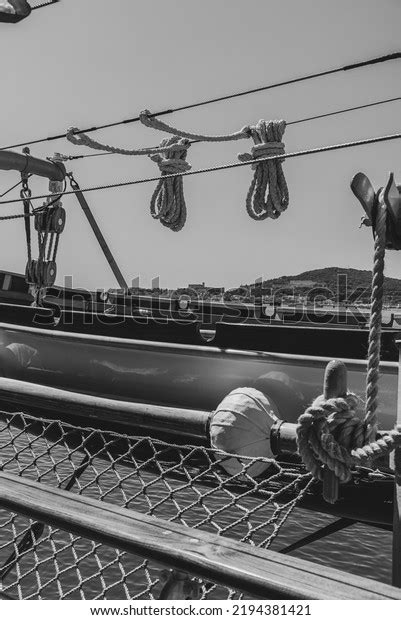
(339, 280)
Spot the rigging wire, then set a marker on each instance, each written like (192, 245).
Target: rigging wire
(311, 76)
(313, 151)
(296, 122)
(14, 186)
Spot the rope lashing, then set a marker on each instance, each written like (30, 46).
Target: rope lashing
(149, 120)
(329, 433)
(168, 202)
(268, 193)
(81, 139)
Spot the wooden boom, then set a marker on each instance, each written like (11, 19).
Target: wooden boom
(10, 160)
(145, 417)
(259, 572)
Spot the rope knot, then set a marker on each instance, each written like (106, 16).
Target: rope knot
(260, 151)
(145, 117)
(329, 433)
(268, 194)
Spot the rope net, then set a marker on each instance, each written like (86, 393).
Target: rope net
(180, 483)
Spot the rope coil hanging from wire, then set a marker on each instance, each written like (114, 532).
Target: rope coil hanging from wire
(268, 194)
(167, 203)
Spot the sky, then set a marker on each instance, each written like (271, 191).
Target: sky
(89, 62)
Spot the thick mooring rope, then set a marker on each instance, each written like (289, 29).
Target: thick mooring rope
(268, 193)
(372, 377)
(329, 433)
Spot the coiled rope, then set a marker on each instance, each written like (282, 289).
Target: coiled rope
(268, 193)
(167, 203)
(329, 433)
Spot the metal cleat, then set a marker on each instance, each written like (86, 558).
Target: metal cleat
(390, 196)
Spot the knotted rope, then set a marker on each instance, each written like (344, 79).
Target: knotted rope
(168, 203)
(268, 193)
(329, 433)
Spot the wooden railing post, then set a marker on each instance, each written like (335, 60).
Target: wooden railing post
(396, 463)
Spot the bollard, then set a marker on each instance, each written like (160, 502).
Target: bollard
(334, 386)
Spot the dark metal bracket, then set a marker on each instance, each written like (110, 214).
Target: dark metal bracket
(371, 200)
(22, 10)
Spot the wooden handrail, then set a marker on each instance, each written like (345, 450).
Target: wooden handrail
(259, 572)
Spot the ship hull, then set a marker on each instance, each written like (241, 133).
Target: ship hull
(179, 375)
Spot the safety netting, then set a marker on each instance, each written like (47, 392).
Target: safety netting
(180, 483)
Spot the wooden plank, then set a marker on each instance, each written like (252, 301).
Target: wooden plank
(140, 416)
(259, 572)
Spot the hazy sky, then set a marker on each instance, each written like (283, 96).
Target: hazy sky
(86, 62)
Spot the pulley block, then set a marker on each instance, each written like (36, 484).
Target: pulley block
(51, 220)
(41, 273)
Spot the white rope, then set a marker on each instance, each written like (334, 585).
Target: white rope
(268, 193)
(149, 120)
(82, 139)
